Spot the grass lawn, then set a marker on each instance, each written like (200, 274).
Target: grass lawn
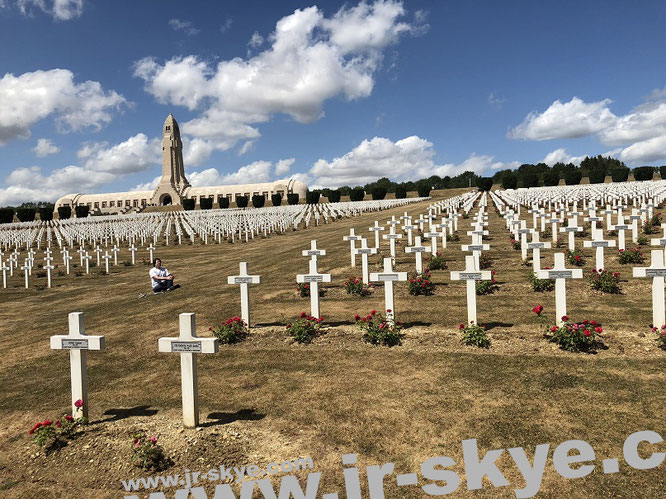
(270, 400)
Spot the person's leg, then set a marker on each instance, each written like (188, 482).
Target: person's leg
(161, 287)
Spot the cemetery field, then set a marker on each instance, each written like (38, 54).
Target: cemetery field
(269, 399)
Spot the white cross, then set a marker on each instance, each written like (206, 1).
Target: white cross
(25, 268)
(115, 251)
(409, 228)
(151, 248)
(352, 238)
(67, 257)
(471, 274)
(620, 227)
(87, 258)
(78, 342)
(392, 236)
(133, 251)
(536, 246)
(657, 271)
(364, 251)
(634, 217)
(418, 249)
(80, 251)
(376, 229)
(313, 278)
(387, 277)
(48, 268)
(571, 228)
(98, 250)
(4, 269)
(244, 279)
(476, 248)
(560, 274)
(599, 243)
(433, 235)
(523, 231)
(106, 259)
(187, 344)
(314, 252)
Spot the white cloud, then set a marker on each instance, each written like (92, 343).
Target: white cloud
(185, 26)
(408, 159)
(28, 184)
(572, 119)
(496, 101)
(61, 10)
(31, 97)
(310, 60)
(645, 151)
(44, 148)
(226, 25)
(560, 156)
(136, 154)
(246, 147)
(256, 40)
(196, 151)
(283, 166)
(148, 186)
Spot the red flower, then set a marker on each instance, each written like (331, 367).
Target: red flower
(47, 422)
(388, 310)
(373, 312)
(461, 326)
(593, 323)
(58, 424)
(598, 330)
(538, 309)
(565, 318)
(69, 418)
(288, 326)
(587, 332)
(357, 317)
(78, 404)
(302, 314)
(553, 329)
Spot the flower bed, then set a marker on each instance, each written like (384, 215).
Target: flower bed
(305, 329)
(378, 331)
(147, 453)
(435, 262)
(576, 336)
(487, 287)
(356, 286)
(54, 434)
(474, 335)
(605, 281)
(631, 255)
(575, 257)
(233, 331)
(541, 285)
(661, 336)
(420, 283)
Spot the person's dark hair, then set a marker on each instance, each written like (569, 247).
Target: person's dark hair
(155, 261)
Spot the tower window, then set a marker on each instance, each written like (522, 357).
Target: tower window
(168, 128)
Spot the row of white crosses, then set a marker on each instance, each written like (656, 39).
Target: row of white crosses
(187, 344)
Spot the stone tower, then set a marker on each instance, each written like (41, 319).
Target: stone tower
(173, 181)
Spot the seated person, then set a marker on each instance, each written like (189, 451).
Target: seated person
(160, 278)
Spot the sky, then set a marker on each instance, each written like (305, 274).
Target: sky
(326, 92)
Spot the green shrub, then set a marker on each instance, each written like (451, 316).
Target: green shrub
(451, 238)
(485, 262)
(596, 176)
(188, 204)
(206, 203)
(573, 177)
(241, 201)
(400, 192)
(509, 180)
(661, 335)
(292, 198)
(147, 453)
(378, 193)
(515, 243)
(484, 183)
(541, 285)
(357, 194)
(643, 173)
(474, 335)
(575, 257)
(334, 196)
(605, 281)
(575, 337)
(26, 214)
(223, 202)
(436, 262)
(631, 255)
(82, 211)
(423, 191)
(421, 284)
(276, 199)
(234, 330)
(312, 197)
(6, 215)
(378, 331)
(46, 214)
(487, 287)
(551, 178)
(258, 201)
(356, 286)
(305, 329)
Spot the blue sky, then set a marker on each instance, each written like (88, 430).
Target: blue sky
(331, 93)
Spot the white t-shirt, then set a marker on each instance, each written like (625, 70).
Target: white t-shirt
(161, 272)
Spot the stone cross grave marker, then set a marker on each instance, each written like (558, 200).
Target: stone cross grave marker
(78, 343)
(364, 251)
(599, 243)
(115, 251)
(388, 276)
(656, 271)
(4, 269)
(26, 268)
(313, 278)
(392, 236)
(536, 246)
(634, 217)
(151, 248)
(560, 274)
(314, 253)
(376, 229)
(106, 259)
(187, 344)
(244, 280)
(571, 229)
(133, 251)
(471, 274)
(620, 227)
(352, 238)
(418, 249)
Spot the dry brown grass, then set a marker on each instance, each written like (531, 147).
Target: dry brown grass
(270, 400)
